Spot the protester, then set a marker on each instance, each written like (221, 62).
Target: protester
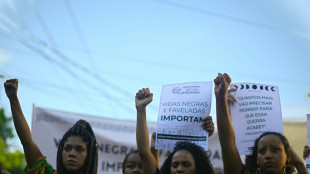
(271, 153)
(77, 151)
(186, 157)
(132, 161)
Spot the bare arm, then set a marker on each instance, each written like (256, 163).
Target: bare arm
(32, 152)
(231, 158)
(154, 151)
(208, 125)
(143, 98)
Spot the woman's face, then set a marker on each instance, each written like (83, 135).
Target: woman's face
(74, 154)
(133, 164)
(183, 162)
(271, 156)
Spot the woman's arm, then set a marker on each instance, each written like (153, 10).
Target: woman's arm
(143, 98)
(31, 150)
(154, 151)
(231, 158)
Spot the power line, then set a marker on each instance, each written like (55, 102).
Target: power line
(41, 21)
(79, 32)
(15, 11)
(71, 73)
(67, 59)
(231, 18)
(51, 40)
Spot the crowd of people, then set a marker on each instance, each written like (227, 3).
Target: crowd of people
(78, 153)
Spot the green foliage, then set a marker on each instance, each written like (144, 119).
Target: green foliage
(6, 132)
(12, 160)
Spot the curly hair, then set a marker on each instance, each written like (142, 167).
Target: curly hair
(251, 160)
(202, 161)
(126, 158)
(81, 129)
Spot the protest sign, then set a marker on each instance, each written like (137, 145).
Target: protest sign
(257, 110)
(181, 112)
(115, 138)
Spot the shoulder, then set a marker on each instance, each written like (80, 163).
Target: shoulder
(40, 166)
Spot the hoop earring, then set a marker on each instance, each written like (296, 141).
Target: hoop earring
(258, 170)
(288, 167)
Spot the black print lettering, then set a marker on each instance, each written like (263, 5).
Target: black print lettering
(181, 118)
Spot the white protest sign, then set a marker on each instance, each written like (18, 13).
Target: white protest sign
(115, 138)
(308, 142)
(257, 110)
(181, 112)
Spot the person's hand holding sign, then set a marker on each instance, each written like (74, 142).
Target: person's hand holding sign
(230, 98)
(208, 125)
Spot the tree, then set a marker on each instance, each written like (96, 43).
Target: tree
(6, 131)
(12, 160)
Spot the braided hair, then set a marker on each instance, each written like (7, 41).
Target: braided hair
(202, 161)
(251, 160)
(81, 129)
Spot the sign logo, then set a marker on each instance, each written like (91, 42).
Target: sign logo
(186, 90)
(176, 90)
(255, 87)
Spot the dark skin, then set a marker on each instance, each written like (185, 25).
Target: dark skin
(231, 158)
(154, 151)
(31, 150)
(142, 99)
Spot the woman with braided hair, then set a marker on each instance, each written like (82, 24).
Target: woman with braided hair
(77, 151)
(186, 158)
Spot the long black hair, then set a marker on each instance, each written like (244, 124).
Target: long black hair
(202, 161)
(251, 160)
(81, 129)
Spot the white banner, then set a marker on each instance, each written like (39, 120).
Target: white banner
(257, 110)
(308, 142)
(181, 112)
(115, 138)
